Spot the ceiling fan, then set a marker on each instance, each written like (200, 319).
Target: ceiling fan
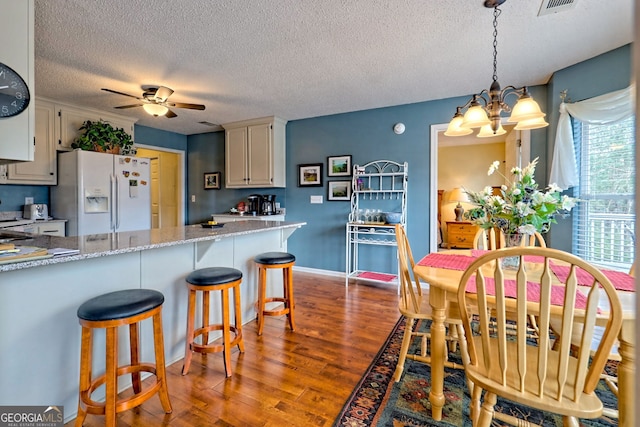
(154, 101)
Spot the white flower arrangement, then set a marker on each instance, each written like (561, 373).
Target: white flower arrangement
(521, 208)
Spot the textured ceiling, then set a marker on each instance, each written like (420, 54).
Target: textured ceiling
(304, 58)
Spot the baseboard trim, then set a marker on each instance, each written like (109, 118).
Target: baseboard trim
(319, 271)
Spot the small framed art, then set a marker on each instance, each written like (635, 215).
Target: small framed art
(339, 165)
(339, 190)
(310, 175)
(212, 181)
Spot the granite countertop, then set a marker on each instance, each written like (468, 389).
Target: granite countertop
(97, 245)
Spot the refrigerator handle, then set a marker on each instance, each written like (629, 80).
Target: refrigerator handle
(116, 202)
(112, 181)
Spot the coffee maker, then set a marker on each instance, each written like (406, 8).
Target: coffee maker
(254, 205)
(268, 204)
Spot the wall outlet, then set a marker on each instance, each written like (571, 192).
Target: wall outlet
(193, 198)
(316, 199)
(28, 200)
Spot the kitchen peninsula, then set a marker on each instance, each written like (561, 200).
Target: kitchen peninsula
(40, 333)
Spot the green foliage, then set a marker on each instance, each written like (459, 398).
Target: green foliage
(521, 207)
(101, 136)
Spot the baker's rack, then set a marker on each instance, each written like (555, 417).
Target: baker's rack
(382, 182)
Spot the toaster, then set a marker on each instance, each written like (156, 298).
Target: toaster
(35, 211)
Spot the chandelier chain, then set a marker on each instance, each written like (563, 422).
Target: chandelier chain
(496, 13)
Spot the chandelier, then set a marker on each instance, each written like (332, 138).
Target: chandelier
(484, 108)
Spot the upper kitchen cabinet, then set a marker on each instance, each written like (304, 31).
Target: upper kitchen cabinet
(71, 118)
(16, 52)
(42, 170)
(255, 153)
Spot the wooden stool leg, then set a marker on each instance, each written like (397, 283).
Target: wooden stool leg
(226, 333)
(111, 393)
(191, 314)
(205, 316)
(262, 292)
(287, 277)
(135, 355)
(86, 350)
(238, 317)
(161, 377)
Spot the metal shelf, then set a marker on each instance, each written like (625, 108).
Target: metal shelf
(383, 181)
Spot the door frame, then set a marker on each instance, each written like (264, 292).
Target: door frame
(181, 154)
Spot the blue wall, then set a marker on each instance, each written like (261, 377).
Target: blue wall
(160, 138)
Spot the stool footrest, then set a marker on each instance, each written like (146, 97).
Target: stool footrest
(124, 404)
(215, 348)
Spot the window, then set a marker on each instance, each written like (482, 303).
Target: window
(604, 218)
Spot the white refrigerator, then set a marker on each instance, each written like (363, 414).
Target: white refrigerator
(102, 193)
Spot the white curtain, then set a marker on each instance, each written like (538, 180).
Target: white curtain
(601, 110)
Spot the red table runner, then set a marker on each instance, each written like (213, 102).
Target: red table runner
(621, 281)
(448, 261)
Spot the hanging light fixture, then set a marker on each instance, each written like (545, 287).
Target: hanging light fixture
(155, 109)
(484, 108)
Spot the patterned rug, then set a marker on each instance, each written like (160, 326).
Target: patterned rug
(379, 401)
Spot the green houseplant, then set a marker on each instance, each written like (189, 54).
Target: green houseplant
(102, 136)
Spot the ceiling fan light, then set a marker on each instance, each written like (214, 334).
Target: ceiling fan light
(475, 117)
(531, 124)
(486, 131)
(155, 109)
(455, 129)
(525, 109)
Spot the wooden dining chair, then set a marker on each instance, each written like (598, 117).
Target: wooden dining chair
(556, 380)
(414, 306)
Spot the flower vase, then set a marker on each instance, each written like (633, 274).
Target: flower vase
(511, 241)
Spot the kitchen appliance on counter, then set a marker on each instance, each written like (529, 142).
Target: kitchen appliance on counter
(35, 211)
(268, 204)
(102, 193)
(254, 205)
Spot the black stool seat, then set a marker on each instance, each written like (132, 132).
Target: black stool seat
(120, 304)
(214, 276)
(274, 258)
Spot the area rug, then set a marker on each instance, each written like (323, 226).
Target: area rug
(378, 400)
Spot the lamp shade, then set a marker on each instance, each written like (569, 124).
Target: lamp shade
(475, 117)
(458, 195)
(155, 109)
(531, 124)
(455, 129)
(486, 131)
(525, 109)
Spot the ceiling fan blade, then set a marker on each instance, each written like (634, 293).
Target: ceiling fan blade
(128, 106)
(121, 93)
(163, 93)
(183, 105)
(170, 114)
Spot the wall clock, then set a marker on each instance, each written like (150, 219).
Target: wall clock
(14, 92)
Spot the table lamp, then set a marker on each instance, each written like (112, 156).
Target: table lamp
(458, 195)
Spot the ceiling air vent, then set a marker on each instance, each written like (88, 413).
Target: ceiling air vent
(554, 6)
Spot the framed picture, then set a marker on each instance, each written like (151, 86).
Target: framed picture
(339, 190)
(310, 175)
(212, 181)
(339, 166)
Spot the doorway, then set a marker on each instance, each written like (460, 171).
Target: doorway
(516, 153)
(167, 185)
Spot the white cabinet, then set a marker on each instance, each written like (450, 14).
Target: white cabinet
(377, 187)
(71, 118)
(255, 153)
(16, 51)
(42, 170)
(51, 228)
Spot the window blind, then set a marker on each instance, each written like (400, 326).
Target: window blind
(604, 217)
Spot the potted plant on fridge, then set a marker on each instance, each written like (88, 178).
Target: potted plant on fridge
(103, 137)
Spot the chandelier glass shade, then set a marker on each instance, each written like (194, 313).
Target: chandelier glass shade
(155, 109)
(484, 109)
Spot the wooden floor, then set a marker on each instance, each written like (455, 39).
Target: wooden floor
(284, 378)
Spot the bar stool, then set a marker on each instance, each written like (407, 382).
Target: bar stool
(264, 262)
(207, 280)
(109, 311)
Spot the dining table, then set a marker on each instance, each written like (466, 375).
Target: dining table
(442, 272)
